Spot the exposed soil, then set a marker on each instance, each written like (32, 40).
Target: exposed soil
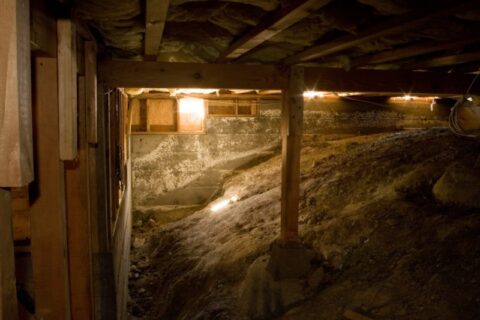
(385, 247)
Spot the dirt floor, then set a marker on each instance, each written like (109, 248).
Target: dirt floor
(386, 246)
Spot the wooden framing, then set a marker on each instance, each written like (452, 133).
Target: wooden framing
(391, 26)
(275, 23)
(91, 90)
(8, 293)
(48, 217)
(411, 51)
(16, 148)
(449, 60)
(67, 89)
(190, 75)
(292, 130)
(155, 18)
(78, 219)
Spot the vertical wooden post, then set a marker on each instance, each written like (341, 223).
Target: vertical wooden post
(292, 127)
(48, 220)
(8, 295)
(76, 184)
(67, 88)
(16, 155)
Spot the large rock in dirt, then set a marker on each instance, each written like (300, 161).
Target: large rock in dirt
(459, 185)
(262, 297)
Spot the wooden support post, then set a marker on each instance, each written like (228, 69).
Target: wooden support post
(76, 185)
(8, 295)
(48, 221)
(292, 126)
(67, 89)
(16, 160)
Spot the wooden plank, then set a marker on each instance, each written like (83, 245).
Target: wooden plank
(67, 89)
(16, 147)
(161, 115)
(449, 60)
(8, 294)
(76, 185)
(411, 51)
(91, 90)
(20, 213)
(389, 27)
(155, 18)
(43, 26)
(274, 23)
(141, 74)
(176, 75)
(48, 217)
(292, 129)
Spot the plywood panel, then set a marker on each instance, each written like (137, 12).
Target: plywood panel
(16, 161)
(191, 115)
(48, 218)
(161, 115)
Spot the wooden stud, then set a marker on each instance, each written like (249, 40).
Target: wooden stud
(43, 33)
(20, 213)
(67, 89)
(292, 128)
(444, 61)
(76, 186)
(8, 294)
(48, 218)
(273, 24)
(191, 75)
(91, 90)
(390, 27)
(16, 147)
(155, 16)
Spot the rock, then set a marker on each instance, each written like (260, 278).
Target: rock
(262, 297)
(459, 185)
(289, 261)
(316, 278)
(138, 242)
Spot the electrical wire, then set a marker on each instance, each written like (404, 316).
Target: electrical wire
(453, 120)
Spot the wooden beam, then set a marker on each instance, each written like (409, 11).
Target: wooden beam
(91, 90)
(411, 51)
(155, 18)
(79, 253)
(274, 23)
(48, 218)
(444, 61)
(8, 293)
(140, 74)
(16, 147)
(67, 89)
(387, 28)
(292, 130)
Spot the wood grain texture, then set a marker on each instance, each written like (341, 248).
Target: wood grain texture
(292, 130)
(48, 216)
(91, 90)
(197, 75)
(16, 147)
(78, 219)
(67, 89)
(273, 24)
(155, 18)
(8, 294)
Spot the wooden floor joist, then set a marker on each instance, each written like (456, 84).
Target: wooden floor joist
(155, 16)
(273, 24)
(390, 27)
(292, 130)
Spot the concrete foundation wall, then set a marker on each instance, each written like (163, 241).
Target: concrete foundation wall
(188, 169)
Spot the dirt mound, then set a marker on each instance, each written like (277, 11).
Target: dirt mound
(385, 247)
